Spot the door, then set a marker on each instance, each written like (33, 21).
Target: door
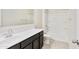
(36, 44)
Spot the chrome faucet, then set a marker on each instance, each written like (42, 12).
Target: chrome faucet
(9, 33)
(76, 41)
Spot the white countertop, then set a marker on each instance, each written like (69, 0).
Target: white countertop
(16, 38)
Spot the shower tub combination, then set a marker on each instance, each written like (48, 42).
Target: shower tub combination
(52, 43)
(60, 25)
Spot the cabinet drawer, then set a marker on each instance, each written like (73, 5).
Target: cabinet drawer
(29, 40)
(28, 47)
(17, 46)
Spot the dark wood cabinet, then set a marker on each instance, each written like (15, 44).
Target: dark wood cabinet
(17, 46)
(36, 44)
(33, 42)
(28, 46)
(41, 41)
(26, 42)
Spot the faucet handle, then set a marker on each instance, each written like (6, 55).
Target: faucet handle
(75, 41)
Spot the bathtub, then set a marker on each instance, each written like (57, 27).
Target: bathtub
(48, 37)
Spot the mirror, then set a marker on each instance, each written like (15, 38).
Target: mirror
(16, 17)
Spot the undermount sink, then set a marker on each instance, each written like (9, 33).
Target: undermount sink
(10, 34)
(5, 36)
(1, 39)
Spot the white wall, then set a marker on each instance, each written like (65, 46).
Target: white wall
(0, 17)
(77, 24)
(45, 20)
(17, 16)
(61, 24)
(38, 18)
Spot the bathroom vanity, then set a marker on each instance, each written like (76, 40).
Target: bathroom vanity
(33, 42)
(32, 39)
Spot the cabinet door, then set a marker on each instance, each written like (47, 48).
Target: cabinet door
(29, 40)
(36, 44)
(41, 41)
(17, 46)
(29, 46)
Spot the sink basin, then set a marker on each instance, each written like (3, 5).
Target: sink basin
(4, 36)
(1, 39)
